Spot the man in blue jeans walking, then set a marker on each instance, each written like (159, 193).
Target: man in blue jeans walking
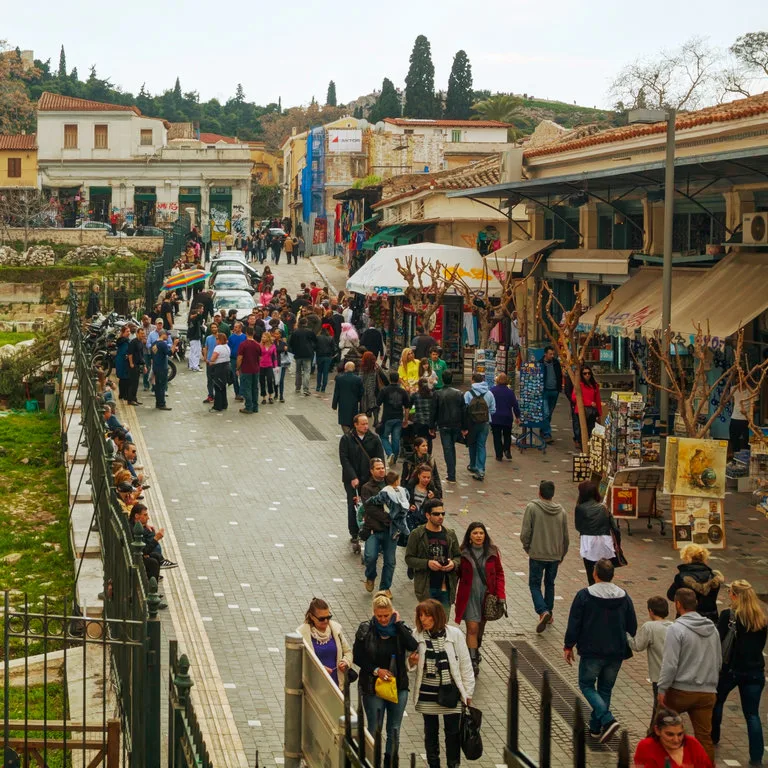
(601, 617)
(448, 416)
(553, 385)
(376, 520)
(481, 405)
(544, 537)
(396, 403)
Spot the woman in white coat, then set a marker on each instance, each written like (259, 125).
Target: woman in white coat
(326, 639)
(444, 680)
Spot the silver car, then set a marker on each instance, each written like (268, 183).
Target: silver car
(242, 301)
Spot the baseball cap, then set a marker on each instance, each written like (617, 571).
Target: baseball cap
(125, 488)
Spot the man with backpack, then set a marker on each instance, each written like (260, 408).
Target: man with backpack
(480, 406)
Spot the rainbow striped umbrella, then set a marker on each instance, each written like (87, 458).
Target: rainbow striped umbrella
(182, 279)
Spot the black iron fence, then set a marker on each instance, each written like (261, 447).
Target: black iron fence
(157, 270)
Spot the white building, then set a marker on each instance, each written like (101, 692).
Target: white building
(98, 159)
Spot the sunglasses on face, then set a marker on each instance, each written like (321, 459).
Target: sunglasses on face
(437, 514)
(323, 618)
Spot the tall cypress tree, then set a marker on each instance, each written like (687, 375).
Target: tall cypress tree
(330, 99)
(62, 73)
(458, 102)
(420, 98)
(388, 103)
(177, 97)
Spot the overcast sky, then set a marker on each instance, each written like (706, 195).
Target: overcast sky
(558, 49)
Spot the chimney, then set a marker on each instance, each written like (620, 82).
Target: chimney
(512, 165)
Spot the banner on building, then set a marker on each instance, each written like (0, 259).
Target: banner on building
(347, 140)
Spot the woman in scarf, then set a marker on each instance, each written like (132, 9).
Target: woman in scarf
(327, 641)
(380, 649)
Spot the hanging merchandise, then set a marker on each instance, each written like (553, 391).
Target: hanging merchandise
(470, 329)
(485, 363)
(697, 520)
(695, 467)
(531, 393)
(581, 470)
(625, 501)
(598, 451)
(625, 423)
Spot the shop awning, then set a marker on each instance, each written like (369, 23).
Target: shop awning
(589, 261)
(387, 235)
(379, 275)
(410, 232)
(375, 217)
(722, 299)
(510, 257)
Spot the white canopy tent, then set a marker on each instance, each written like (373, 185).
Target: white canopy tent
(379, 274)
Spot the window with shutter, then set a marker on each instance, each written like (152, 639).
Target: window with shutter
(100, 137)
(70, 137)
(14, 167)
(146, 137)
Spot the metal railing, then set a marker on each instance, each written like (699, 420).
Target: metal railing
(160, 266)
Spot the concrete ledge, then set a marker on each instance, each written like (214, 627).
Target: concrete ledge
(90, 585)
(80, 531)
(79, 489)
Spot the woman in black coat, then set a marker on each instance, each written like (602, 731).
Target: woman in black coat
(347, 394)
(695, 574)
(596, 527)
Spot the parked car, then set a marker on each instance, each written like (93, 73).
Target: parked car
(242, 301)
(230, 281)
(253, 273)
(150, 232)
(95, 225)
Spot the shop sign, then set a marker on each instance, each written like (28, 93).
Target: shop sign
(345, 140)
(606, 355)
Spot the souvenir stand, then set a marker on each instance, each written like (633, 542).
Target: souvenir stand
(531, 400)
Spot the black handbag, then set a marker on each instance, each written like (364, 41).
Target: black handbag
(448, 696)
(493, 607)
(729, 641)
(469, 733)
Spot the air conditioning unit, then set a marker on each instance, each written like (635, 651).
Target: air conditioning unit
(754, 227)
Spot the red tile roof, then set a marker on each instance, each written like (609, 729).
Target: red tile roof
(734, 110)
(213, 138)
(483, 173)
(55, 102)
(18, 141)
(414, 123)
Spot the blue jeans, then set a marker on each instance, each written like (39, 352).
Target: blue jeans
(161, 385)
(380, 541)
(303, 369)
(249, 386)
(148, 367)
(537, 569)
(280, 382)
(392, 429)
(550, 401)
(448, 438)
(235, 376)
(375, 708)
(478, 436)
(442, 596)
(323, 367)
(750, 687)
(596, 681)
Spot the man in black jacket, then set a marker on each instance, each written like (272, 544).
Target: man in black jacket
(449, 416)
(600, 618)
(422, 345)
(553, 386)
(378, 534)
(302, 344)
(356, 449)
(396, 402)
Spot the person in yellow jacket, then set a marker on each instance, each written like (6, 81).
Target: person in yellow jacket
(409, 370)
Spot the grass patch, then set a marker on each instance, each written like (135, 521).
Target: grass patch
(14, 337)
(33, 515)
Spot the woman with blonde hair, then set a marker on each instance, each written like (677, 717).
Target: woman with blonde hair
(409, 370)
(327, 641)
(695, 574)
(381, 645)
(743, 665)
(443, 666)
(267, 364)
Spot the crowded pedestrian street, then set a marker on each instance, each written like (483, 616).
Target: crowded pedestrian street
(255, 514)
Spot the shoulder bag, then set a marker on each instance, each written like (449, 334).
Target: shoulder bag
(493, 607)
(621, 559)
(729, 641)
(469, 733)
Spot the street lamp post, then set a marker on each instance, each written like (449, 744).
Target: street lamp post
(657, 116)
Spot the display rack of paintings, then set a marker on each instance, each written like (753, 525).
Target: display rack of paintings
(625, 501)
(695, 467)
(698, 520)
(625, 425)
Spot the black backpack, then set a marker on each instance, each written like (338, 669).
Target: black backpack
(478, 410)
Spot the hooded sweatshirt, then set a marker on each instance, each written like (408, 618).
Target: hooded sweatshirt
(601, 617)
(481, 388)
(692, 655)
(544, 534)
(651, 638)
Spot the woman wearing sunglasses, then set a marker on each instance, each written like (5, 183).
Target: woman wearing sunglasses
(327, 640)
(593, 406)
(669, 745)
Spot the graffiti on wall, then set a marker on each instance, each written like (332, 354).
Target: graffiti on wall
(238, 220)
(221, 224)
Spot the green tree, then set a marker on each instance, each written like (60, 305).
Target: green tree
(458, 103)
(420, 101)
(751, 50)
(330, 98)
(177, 97)
(388, 103)
(73, 76)
(358, 113)
(501, 107)
(239, 94)
(62, 73)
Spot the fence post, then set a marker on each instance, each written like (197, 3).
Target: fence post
(512, 701)
(294, 659)
(545, 724)
(152, 690)
(579, 737)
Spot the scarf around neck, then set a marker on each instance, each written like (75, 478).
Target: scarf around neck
(321, 638)
(389, 630)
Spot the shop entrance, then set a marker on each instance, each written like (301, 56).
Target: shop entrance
(68, 206)
(190, 197)
(145, 206)
(99, 203)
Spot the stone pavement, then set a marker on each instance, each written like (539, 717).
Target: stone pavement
(256, 516)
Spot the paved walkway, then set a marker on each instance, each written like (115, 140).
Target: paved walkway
(255, 513)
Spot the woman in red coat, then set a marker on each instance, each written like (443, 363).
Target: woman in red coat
(593, 406)
(480, 572)
(670, 746)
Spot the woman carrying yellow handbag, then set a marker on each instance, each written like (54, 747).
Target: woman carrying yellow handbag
(382, 649)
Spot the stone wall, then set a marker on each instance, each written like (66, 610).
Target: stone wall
(77, 237)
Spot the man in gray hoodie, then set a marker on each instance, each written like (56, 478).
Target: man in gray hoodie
(544, 537)
(480, 405)
(690, 667)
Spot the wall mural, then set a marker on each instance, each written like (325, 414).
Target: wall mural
(221, 224)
